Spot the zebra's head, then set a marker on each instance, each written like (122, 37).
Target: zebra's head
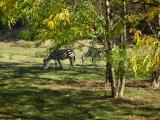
(46, 61)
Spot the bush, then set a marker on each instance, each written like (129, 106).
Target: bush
(25, 35)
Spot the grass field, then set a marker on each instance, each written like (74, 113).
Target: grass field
(29, 92)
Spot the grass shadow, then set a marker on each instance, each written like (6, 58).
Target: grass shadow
(19, 99)
(17, 71)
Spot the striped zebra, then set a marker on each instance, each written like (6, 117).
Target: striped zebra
(92, 52)
(58, 55)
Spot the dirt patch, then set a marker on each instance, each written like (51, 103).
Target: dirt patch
(138, 118)
(138, 84)
(89, 85)
(20, 43)
(130, 101)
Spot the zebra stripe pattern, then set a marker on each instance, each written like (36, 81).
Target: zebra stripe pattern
(58, 55)
(93, 53)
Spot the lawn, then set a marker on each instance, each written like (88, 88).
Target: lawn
(27, 91)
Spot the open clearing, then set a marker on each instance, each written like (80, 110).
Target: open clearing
(29, 92)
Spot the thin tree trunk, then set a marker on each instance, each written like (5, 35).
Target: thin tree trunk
(124, 25)
(111, 69)
(110, 72)
(155, 75)
(155, 79)
(122, 62)
(111, 77)
(122, 79)
(158, 30)
(122, 87)
(100, 8)
(158, 78)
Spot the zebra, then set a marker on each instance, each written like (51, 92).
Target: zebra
(93, 53)
(58, 55)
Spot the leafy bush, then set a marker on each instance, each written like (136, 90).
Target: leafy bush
(26, 35)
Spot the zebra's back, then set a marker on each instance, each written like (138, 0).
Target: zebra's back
(94, 53)
(63, 54)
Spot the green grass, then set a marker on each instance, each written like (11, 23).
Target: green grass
(29, 92)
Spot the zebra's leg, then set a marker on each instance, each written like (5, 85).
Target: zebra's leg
(84, 59)
(55, 61)
(71, 60)
(94, 61)
(59, 64)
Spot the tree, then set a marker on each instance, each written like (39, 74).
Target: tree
(110, 76)
(8, 12)
(148, 64)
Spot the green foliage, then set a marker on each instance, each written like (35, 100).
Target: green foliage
(70, 24)
(134, 19)
(145, 57)
(8, 12)
(26, 35)
(70, 20)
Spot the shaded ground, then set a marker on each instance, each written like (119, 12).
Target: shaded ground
(27, 93)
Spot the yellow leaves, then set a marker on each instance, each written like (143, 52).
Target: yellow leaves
(156, 61)
(134, 64)
(51, 24)
(142, 41)
(7, 6)
(64, 15)
(28, 1)
(8, 10)
(146, 57)
(11, 21)
(43, 31)
(147, 1)
(129, 18)
(147, 63)
(4, 5)
(1, 3)
(137, 36)
(52, 21)
(152, 62)
(150, 41)
(81, 33)
(151, 13)
(132, 18)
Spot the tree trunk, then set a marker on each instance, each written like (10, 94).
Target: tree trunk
(155, 75)
(111, 77)
(155, 79)
(121, 70)
(110, 72)
(158, 78)
(124, 25)
(158, 30)
(122, 79)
